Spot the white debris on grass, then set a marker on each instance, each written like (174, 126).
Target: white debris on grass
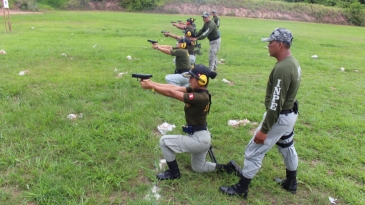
(94, 46)
(221, 61)
(23, 72)
(226, 81)
(243, 122)
(162, 164)
(32, 27)
(342, 69)
(131, 58)
(2, 52)
(356, 71)
(332, 200)
(314, 56)
(121, 74)
(154, 193)
(74, 116)
(165, 127)
(63, 54)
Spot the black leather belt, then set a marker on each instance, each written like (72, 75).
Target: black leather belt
(286, 111)
(199, 127)
(214, 39)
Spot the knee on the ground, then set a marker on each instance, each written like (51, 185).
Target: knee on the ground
(197, 168)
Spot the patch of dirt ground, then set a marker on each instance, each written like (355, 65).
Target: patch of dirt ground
(12, 12)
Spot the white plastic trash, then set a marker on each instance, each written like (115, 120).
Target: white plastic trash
(23, 72)
(165, 127)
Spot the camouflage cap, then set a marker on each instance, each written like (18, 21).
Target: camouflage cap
(205, 15)
(280, 34)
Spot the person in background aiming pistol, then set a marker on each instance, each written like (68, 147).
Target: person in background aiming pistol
(182, 61)
(189, 25)
(188, 34)
(197, 139)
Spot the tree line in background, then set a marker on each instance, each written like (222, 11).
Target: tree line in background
(353, 10)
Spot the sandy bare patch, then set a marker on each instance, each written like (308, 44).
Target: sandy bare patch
(15, 12)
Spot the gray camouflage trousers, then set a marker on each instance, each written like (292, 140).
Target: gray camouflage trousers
(197, 144)
(255, 153)
(213, 51)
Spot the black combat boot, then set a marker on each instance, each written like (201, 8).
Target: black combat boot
(172, 173)
(290, 183)
(239, 189)
(229, 168)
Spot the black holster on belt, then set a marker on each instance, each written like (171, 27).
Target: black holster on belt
(296, 107)
(188, 129)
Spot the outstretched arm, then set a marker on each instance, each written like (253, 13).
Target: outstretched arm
(163, 48)
(165, 89)
(172, 36)
(179, 26)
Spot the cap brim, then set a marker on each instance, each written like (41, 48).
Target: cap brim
(186, 74)
(265, 39)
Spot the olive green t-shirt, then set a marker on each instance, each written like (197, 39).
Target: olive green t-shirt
(281, 90)
(216, 21)
(196, 106)
(182, 58)
(209, 30)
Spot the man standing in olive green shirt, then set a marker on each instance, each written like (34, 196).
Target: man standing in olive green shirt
(210, 31)
(216, 20)
(279, 119)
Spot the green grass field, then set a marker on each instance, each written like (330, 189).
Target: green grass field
(110, 155)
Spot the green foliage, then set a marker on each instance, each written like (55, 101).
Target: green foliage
(356, 14)
(138, 5)
(26, 5)
(35, 5)
(57, 4)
